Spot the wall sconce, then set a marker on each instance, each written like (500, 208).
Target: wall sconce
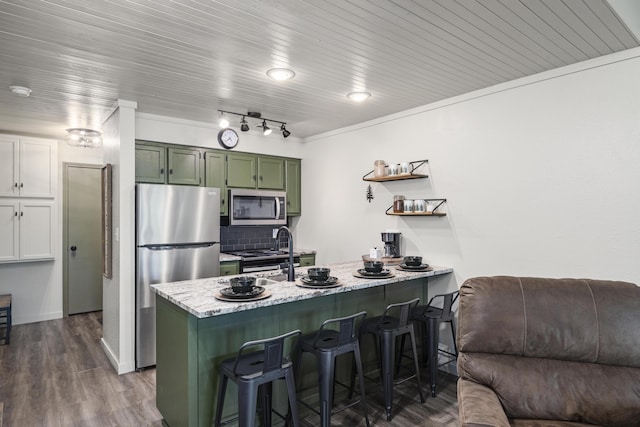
(244, 125)
(81, 137)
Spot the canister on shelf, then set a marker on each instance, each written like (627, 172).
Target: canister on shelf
(408, 205)
(379, 167)
(398, 204)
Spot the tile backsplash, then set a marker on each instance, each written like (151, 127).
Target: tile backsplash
(240, 238)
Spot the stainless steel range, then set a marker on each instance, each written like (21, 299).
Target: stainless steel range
(264, 259)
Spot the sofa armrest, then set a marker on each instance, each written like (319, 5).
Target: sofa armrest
(479, 406)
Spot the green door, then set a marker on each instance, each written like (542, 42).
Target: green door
(270, 173)
(184, 166)
(82, 238)
(150, 163)
(293, 187)
(241, 170)
(214, 176)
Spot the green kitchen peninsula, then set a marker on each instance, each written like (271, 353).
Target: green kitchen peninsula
(195, 331)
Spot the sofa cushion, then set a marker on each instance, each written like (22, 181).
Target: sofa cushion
(552, 389)
(571, 319)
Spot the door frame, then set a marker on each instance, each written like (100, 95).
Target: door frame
(65, 227)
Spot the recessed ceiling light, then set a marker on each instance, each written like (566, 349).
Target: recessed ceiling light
(358, 96)
(280, 73)
(20, 91)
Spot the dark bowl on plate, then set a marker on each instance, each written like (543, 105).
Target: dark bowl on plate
(413, 261)
(242, 284)
(318, 273)
(373, 266)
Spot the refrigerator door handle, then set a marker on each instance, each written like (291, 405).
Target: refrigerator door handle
(171, 247)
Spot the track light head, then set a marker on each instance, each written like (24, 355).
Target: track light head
(266, 130)
(285, 132)
(244, 126)
(224, 123)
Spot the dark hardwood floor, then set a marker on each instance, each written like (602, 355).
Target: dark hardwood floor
(55, 373)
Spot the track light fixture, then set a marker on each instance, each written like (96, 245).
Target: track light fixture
(244, 125)
(224, 123)
(266, 130)
(285, 132)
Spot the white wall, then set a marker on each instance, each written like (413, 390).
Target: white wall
(36, 287)
(541, 177)
(118, 293)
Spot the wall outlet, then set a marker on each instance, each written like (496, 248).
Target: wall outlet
(275, 233)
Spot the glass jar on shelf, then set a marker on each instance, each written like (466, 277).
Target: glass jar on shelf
(398, 204)
(379, 168)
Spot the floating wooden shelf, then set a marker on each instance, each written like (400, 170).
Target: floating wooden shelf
(394, 177)
(414, 165)
(389, 210)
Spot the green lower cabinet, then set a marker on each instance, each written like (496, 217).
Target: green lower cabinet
(307, 260)
(229, 268)
(190, 350)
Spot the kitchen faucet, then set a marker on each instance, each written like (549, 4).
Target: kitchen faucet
(291, 275)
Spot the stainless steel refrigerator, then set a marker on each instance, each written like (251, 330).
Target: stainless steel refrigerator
(177, 238)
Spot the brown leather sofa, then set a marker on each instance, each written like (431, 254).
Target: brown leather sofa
(548, 352)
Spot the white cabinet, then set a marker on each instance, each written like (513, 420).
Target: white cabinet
(26, 230)
(27, 167)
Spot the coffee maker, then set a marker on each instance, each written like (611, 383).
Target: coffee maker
(391, 241)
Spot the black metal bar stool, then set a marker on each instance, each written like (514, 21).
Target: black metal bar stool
(5, 317)
(430, 316)
(386, 329)
(257, 370)
(334, 338)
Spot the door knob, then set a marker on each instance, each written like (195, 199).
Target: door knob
(73, 248)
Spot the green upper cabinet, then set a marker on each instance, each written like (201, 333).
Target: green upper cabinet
(214, 175)
(159, 164)
(271, 173)
(294, 193)
(184, 166)
(150, 163)
(241, 170)
(245, 170)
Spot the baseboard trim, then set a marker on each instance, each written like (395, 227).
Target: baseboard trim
(21, 320)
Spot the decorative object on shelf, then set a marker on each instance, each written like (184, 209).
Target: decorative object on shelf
(244, 125)
(398, 203)
(106, 221)
(82, 137)
(228, 138)
(396, 172)
(379, 168)
(369, 193)
(432, 204)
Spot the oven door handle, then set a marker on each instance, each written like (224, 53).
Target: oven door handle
(265, 268)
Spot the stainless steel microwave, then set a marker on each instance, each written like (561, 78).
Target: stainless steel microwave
(257, 207)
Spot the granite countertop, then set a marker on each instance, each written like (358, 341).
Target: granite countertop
(197, 296)
(226, 257)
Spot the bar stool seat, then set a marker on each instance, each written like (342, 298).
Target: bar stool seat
(254, 373)
(5, 318)
(386, 329)
(326, 345)
(431, 316)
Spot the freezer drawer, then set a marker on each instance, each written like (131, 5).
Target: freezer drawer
(161, 265)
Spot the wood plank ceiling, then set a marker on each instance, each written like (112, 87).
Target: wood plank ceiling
(187, 59)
